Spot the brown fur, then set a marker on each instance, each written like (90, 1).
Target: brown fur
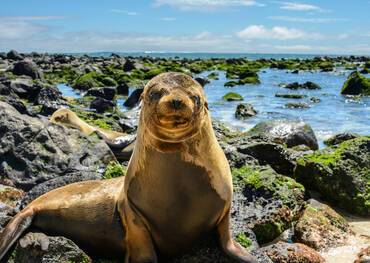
(177, 188)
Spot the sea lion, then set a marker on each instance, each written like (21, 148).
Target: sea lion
(177, 188)
(121, 143)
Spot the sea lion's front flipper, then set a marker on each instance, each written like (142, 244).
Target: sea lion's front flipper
(15, 229)
(138, 242)
(230, 246)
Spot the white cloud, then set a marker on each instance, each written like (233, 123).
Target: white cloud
(168, 18)
(125, 12)
(276, 32)
(205, 4)
(299, 6)
(307, 20)
(13, 28)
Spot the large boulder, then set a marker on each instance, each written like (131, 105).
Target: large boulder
(341, 173)
(27, 68)
(320, 227)
(356, 84)
(291, 133)
(33, 151)
(39, 248)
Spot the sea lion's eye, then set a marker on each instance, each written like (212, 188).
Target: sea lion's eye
(155, 95)
(196, 99)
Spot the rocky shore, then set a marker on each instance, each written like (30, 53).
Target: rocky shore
(289, 195)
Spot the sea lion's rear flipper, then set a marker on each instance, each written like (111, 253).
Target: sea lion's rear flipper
(15, 229)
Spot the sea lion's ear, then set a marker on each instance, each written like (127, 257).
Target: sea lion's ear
(141, 97)
(206, 105)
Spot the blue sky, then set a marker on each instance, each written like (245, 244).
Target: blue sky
(253, 26)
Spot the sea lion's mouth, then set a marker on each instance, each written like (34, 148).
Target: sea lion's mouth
(173, 122)
(172, 128)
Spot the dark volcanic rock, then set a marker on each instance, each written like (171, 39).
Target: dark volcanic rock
(339, 138)
(33, 151)
(244, 111)
(129, 65)
(50, 98)
(27, 68)
(39, 248)
(123, 89)
(24, 88)
(134, 98)
(107, 93)
(102, 105)
(14, 55)
(282, 252)
(306, 85)
(340, 173)
(292, 133)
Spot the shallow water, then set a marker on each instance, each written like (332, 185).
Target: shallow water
(335, 113)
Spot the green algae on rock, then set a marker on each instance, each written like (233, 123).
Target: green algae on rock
(285, 198)
(356, 84)
(232, 96)
(341, 173)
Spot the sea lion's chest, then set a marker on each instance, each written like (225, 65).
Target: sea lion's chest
(176, 197)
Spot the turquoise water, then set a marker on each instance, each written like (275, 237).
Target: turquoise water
(335, 113)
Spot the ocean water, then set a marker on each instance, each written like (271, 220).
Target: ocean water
(333, 114)
(194, 55)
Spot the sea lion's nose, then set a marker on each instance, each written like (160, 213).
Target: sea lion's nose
(176, 104)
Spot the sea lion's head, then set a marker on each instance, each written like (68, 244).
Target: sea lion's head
(174, 107)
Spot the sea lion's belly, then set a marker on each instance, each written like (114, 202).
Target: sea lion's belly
(177, 200)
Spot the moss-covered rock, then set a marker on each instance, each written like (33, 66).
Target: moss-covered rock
(87, 81)
(271, 201)
(232, 96)
(356, 84)
(341, 173)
